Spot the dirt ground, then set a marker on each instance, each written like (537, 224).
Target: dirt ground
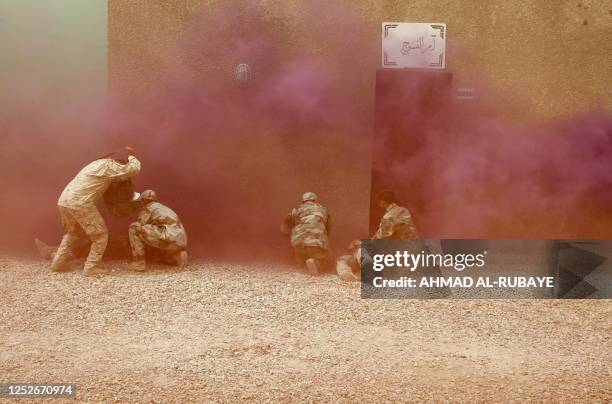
(222, 332)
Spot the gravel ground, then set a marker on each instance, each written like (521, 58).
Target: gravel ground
(223, 332)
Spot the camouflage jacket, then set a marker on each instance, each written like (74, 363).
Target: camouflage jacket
(396, 223)
(163, 224)
(94, 179)
(309, 224)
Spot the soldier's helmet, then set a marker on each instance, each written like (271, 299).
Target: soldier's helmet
(148, 195)
(309, 196)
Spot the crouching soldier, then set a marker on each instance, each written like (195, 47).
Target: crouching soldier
(397, 221)
(309, 225)
(397, 224)
(348, 266)
(157, 233)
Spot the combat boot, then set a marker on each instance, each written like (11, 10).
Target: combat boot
(138, 265)
(180, 259)
(60, 266)
(94, 270)
(313, 266)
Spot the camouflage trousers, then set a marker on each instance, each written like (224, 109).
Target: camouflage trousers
(143, 237)
(91, 222)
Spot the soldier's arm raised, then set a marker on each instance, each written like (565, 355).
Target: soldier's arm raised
(118, 171)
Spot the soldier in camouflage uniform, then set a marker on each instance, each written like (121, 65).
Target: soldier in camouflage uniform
(158, 233)
(309, 225)
(77, 206)
(397, 221)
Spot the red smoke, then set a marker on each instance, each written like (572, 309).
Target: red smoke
(232, 159)
(491, 178)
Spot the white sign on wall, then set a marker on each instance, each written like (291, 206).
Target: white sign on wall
(413, 45)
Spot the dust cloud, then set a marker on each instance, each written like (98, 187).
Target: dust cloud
(233, 157)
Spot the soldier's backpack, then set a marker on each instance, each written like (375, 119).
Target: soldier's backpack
(118, 198)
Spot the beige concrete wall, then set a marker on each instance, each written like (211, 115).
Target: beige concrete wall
(543, 58)
(554, 57)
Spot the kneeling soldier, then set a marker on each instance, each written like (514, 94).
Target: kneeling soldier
(309, 225)
(397, 221)
(158, 232)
